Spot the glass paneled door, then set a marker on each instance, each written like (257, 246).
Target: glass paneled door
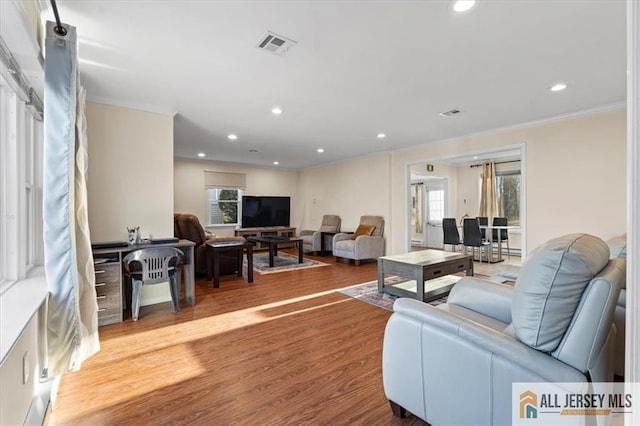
(428, 201)
(435, 205)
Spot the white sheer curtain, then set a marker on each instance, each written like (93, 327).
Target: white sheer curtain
(72, 320)
(488, 193)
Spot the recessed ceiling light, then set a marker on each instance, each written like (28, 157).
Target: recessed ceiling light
(475, 157)
(276, 111)
(558, 87)
(463, 5)
(320, 150)
(232, 137)
(201, 154)
(275, 163)
(381, 136)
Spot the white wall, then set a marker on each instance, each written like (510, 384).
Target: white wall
(349, 189)
(16, 394)
(130, 178)
(191, 196)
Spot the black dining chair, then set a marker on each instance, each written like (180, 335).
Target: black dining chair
(450, 230)
(483, 221)
(153, 266)
(472, 237)
(503, 234)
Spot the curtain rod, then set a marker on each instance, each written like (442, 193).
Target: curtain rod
(59, 29)
(25, 92)
(497, 162)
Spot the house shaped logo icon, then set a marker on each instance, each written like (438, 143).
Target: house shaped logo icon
(528, 405)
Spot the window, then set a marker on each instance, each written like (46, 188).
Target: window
(20, 188)
(224, 206)
(508, 188)
(435, 202)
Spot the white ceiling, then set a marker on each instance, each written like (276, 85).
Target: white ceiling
(359, 68)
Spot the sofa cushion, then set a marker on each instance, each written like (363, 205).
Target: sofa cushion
(550, 285)
(363, 230)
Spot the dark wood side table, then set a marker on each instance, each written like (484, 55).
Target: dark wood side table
(323, 251)
(273, 242)
(213, 259)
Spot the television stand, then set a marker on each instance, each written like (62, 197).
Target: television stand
(266, 231)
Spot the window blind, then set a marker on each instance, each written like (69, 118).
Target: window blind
(224, 180)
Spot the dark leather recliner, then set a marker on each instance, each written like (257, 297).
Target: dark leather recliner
(187, 226)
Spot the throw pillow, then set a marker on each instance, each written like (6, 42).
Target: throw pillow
(363, 230)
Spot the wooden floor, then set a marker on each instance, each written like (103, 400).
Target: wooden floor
(286, 349)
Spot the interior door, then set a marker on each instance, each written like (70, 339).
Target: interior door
(435, 202)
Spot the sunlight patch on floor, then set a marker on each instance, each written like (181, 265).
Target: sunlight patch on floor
(195, 329)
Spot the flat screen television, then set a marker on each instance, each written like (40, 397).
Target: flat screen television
(265, 211)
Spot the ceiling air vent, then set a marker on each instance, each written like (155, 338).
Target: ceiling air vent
(275, 43)
(450, 113)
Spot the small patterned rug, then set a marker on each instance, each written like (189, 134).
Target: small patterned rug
(368, 292)
(283, 262)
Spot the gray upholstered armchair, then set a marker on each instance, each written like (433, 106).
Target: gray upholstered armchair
(554, 325)
(311, 239)
(366, 243)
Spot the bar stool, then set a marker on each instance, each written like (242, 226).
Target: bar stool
(153, 266)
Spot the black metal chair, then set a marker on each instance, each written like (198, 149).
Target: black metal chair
(483, 221)
(450, 231)
(502, 233)
(472, 237)
(152, 266)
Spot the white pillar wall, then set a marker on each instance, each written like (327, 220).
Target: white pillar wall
(632, 367)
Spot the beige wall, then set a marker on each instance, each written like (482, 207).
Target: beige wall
(191, 196)
(575, 175)
(130, 179)
(349, 189)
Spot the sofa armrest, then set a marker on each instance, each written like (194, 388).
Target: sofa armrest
(484, 297)
(306, 232)
(508, 348)
(509, 272)
(341, 236)
(369, 247)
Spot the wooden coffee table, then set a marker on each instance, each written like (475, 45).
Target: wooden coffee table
(423, 266)
(273, 241)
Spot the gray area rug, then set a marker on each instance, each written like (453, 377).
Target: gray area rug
(368, 293)
(283, 262)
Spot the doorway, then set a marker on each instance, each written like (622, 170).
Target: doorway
(429, 198)
(450, 187)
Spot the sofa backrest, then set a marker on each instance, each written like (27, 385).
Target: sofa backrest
(618, 246)
(191, 229)
(378, 221)
(550, 286)
(330, 223)
(590, 326)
